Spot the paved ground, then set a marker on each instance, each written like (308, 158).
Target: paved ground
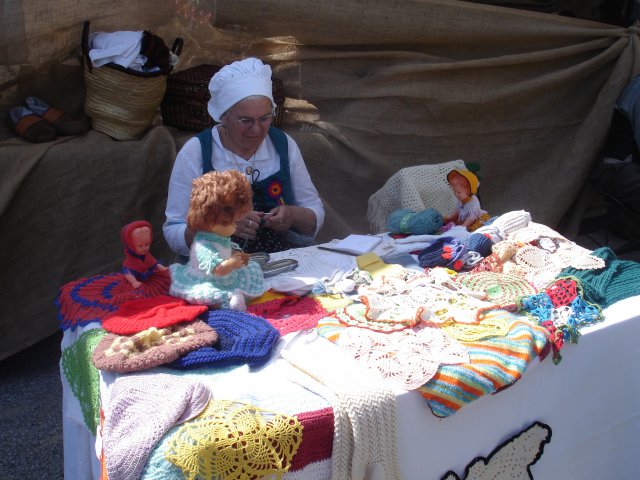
(31, 402)
(31, 413)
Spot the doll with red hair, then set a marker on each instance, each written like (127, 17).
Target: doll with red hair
(218, 273)
(468, 212)
(138, 265)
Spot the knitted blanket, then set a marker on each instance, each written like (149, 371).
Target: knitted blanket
(496, 363)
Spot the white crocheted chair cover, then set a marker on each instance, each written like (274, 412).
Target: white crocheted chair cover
(416, 188)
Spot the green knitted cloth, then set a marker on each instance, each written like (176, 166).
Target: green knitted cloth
(83, 377)
(619, 279)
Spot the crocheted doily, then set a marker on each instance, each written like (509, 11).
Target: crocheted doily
(406, 359)
(501, 289)
(420, 299)
(511, 459)
(83, 377)
(235, 441)
(493, 324)
(562, 310)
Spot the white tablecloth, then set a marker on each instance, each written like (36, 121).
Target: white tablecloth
(590, 401)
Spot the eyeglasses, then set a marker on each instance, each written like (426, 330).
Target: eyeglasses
(248, 122)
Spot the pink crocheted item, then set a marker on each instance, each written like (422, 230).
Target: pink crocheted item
(91, 299)
(159, 311)
(291, 313)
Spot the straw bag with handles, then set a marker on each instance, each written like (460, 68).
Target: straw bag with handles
(120, 101)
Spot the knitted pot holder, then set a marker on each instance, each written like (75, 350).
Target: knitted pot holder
(242, 338)
(91, 299)
(501, 289)
(151, 347)
(291, 313)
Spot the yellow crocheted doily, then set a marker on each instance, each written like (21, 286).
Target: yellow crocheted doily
(332, 302)
(494, 323)
(235, 441)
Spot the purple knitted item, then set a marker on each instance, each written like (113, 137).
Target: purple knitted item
(242, 338)
(444, 252)
(141, 409)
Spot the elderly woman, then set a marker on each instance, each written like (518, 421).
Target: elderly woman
(287, 210)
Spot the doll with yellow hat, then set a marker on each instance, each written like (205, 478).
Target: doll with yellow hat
(468, 212)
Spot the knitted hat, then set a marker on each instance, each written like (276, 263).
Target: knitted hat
(471, 179)
(480, 243)
(91, 299)
(242, 338)
(444, 252)
(151, 347)
(141, 409)
(160, 311)
(236, 82)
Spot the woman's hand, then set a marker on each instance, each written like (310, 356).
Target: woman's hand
(290, 217)
(246, 228)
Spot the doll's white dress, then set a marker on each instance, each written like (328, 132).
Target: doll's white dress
(196, 282)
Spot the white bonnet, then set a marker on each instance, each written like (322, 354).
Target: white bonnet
(237, 81)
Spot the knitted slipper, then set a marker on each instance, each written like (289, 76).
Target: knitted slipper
(30, 126)
(63, 123)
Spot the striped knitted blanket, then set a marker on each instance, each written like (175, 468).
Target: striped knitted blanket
(496, 363)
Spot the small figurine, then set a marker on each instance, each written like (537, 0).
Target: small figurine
(468, 211)
(217, 272)
(138, 265)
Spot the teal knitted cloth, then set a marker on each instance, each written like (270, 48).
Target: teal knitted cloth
(619, 279)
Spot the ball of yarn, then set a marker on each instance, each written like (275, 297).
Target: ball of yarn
(425, 222)
(480, 243)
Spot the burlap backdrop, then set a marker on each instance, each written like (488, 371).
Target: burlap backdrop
(373, 86)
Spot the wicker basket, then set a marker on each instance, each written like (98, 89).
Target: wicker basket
(185, 103)
(122, 102)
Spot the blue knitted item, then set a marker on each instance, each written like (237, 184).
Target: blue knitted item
(480, 243)
(444, 252)
(425, 222)
(242, 338)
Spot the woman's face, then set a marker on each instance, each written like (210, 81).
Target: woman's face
(247, 124)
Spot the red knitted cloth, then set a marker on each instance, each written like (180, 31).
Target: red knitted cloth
(160, 311)
(291, 313)
(317, 438)
(91, 299)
